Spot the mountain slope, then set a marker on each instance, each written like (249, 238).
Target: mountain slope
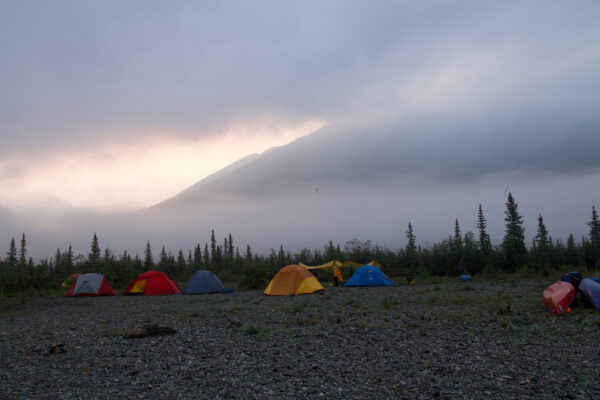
(407, 157)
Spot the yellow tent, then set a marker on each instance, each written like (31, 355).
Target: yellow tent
(293, 280)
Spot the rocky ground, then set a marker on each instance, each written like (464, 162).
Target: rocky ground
(449, 340)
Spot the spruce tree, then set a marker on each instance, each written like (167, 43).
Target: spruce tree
(541, 238)
(148, 261)
(163, 259)
(58, 261)
(514, 238)
(68, 259)
(248, 253)
(230, 249)
(593, 249)
(180, 260)
(571, 252)
(594, 225)
(485, 244)
(197, 256)
(213, 247)
(458, 243)
(206, 256)
(11, 254)
(411, 246)
(94, 255)
(23, 252)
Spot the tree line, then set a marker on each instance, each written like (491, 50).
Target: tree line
(459, 253)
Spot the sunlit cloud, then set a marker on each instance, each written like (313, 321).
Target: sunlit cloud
(139, 174)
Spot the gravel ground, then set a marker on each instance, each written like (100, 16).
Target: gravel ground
(432, 341)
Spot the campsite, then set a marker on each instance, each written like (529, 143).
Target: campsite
(441, 338)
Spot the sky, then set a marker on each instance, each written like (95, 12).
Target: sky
(114, 106)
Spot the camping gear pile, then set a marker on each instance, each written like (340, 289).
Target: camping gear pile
(560, 295)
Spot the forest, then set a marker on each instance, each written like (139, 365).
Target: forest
(241, 268)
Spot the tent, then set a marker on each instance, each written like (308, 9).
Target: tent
(293, 280)
(152, 283)
(90, 285)
(202, 282)
(590, 287)
(69, 281)
(369, 275)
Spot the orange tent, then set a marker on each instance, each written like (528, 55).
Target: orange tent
(292, 280)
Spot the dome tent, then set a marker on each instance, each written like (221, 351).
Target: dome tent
(369, 275)
(152, 283)
(90, 285)
(203, 282)
(293, 280)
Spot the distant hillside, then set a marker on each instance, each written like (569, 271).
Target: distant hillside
(405, 157)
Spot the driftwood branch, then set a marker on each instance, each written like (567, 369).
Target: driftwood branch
(152, 330)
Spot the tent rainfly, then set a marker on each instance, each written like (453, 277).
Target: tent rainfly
(203, 282)
(152, 283)
(90, 285)
(293, 280)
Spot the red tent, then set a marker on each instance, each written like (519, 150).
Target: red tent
(90, 285)
(152, 283)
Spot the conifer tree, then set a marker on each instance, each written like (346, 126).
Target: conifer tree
(594, 225)
(411, 246)
(23, 252)
(514, 238)
(213, 247)
(541, 238)
(458, 244)
(197, 256)
(94, 255)
(11, 254)
(180, 260)
(218, 262)
(148, 261)
(484, 239)
(571, 251)
(68, 258)
(58, 261)
(248, 253)
(108, 255)
(593, 249)
(206, 256)
(163, 259)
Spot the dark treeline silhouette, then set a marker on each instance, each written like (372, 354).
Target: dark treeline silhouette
(458, 253)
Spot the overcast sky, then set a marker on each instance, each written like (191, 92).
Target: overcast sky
(122, 104)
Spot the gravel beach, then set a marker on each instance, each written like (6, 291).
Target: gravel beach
(447, 340)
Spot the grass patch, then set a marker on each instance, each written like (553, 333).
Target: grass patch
(389, 303)
(353, 303)
(250, 329)
(460, 300)
(298, 307)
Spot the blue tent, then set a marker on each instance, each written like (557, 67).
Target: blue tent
(368, 275)
(590, 287)
(202, 282)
